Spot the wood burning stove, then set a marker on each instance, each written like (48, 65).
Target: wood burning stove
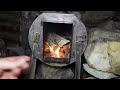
(57, 39)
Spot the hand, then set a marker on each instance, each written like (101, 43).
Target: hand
(11, 67)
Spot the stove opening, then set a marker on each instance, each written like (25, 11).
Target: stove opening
(57, 40)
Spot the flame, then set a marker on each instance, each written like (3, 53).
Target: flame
(55, 52)
(51, 49)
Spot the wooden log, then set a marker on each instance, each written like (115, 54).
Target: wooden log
(54, 39)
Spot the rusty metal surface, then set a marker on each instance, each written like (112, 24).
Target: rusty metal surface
(37, 27)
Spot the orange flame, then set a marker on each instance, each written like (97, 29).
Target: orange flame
(55, 53)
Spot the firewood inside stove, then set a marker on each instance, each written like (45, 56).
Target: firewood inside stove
(55, 41)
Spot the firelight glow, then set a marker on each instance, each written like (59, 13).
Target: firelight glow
(57, 52)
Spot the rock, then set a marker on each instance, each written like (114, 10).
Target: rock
(93, 18)
(90, 78)
(98, 53)
(117, 25)
(47, 72)
(107, 25)
(98, 74)
(110, 25)
(114, 52)
(117, 16)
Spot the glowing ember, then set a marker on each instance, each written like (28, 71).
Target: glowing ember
(58, 51)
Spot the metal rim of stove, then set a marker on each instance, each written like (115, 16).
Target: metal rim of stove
(58, 18)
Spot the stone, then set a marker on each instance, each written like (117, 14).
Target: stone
(99, 54)
(117, 16)
(98, 74)
(110, 25)
(93, 18)
(117, 25)
(97, 57)
(90, 78)
(114, 52)
(48, 72)
(107, 25)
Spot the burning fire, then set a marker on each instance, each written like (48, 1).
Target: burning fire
(58, 51)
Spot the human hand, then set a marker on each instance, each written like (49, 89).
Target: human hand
(11, 67)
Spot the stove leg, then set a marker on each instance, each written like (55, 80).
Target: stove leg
(32, 69)
(79, 45)
(78, 68)
(30, 73)
(33, 62)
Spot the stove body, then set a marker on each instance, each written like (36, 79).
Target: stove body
(58, 23)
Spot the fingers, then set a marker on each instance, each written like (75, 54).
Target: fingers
(13, 62)
(16, 72)
(8, 75)
(11, 67)
(25, 66)
(14, 58)
(1, 72)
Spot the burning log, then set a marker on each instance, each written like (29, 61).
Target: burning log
(57, 46)
(54, 39)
